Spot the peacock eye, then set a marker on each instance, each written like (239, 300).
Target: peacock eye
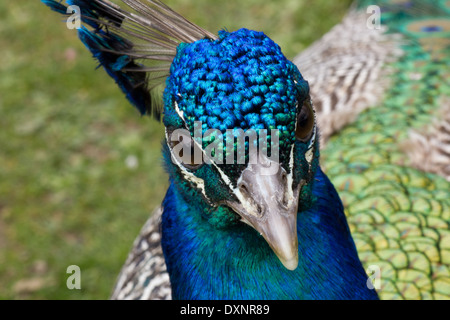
(184, 149)
(305, 122)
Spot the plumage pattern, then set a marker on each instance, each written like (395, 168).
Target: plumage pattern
(429, 147)
(376, 93)
(144, 275)
(399, 216)
(346, 70)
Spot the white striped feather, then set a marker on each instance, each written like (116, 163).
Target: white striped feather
(346, 71)
(144, 275)
(429, 148)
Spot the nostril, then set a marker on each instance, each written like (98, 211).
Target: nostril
(243, 189)
(285, 200)
(259, 209)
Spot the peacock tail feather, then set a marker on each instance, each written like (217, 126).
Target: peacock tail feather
(398, 214)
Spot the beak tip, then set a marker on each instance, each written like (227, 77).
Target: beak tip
(290, 264)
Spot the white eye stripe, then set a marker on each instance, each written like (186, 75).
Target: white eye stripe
(224, 177)
(313, 137)
(180, 113)
(290, 175)
(189, 176)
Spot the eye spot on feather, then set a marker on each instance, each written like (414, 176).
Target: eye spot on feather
(432, 34)
(431, 28)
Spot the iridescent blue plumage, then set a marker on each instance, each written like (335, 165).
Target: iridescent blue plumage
(239, 81)
(242, 80)
(242, 266)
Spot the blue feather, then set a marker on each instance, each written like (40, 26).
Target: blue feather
(105, 47)
(200, 273)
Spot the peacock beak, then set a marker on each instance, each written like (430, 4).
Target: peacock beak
(269, 205)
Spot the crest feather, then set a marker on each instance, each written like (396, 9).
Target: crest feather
(135, 43)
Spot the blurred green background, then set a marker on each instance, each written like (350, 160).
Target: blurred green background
(80, 170)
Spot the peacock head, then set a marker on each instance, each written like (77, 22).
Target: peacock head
(241, 136)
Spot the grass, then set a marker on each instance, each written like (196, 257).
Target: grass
(80, 170)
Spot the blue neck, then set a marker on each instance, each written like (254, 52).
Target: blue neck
(236, 263)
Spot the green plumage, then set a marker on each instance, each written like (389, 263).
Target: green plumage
(399, 216)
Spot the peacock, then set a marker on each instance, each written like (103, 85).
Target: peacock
(324, 177)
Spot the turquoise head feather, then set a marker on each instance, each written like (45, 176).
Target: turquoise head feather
(238, 84)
